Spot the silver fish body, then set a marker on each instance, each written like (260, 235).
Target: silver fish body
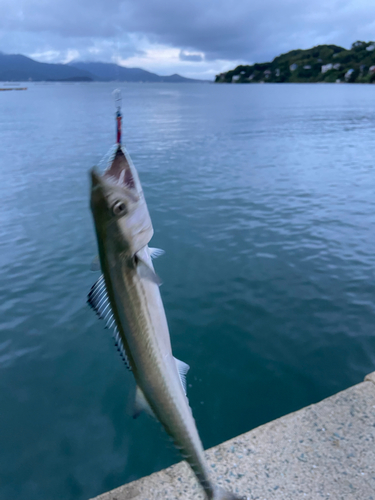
(128, 296)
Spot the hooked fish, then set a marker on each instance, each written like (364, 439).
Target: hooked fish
(127, 297)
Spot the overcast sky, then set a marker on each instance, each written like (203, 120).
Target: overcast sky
(196, 38)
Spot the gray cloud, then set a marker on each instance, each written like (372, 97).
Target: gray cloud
(190, 57)
(241, 30)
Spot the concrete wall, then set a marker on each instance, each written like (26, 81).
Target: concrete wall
(324, 451)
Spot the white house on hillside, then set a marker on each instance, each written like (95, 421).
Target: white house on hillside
(326, 67)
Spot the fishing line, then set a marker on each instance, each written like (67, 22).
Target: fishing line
(117, 96)
(108, 158)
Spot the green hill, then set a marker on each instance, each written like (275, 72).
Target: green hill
(324, 63)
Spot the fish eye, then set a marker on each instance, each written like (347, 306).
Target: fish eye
(119, 208)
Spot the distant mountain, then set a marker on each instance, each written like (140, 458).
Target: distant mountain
(323, 63)
(15, 67)
(21, 68)
(107, 72)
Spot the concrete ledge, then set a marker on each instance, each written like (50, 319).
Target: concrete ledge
(326, 450)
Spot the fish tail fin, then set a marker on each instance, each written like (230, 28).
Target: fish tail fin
(221, 494)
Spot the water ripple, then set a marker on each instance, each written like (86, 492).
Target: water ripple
(262, 197)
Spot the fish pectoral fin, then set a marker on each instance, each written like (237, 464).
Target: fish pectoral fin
(155, 252)
(182, 369)
(145, 271)
(141, 404)
(95, 264)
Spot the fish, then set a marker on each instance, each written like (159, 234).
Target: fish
(127, 297)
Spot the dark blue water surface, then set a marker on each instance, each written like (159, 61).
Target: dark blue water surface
(262, 196)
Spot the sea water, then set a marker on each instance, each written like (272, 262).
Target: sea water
(262, 197)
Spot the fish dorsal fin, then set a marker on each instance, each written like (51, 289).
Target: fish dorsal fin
(155, 252)
(141, 404)
(182, 369)
(99, 301)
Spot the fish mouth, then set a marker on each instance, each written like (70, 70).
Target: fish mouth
(119, 171)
